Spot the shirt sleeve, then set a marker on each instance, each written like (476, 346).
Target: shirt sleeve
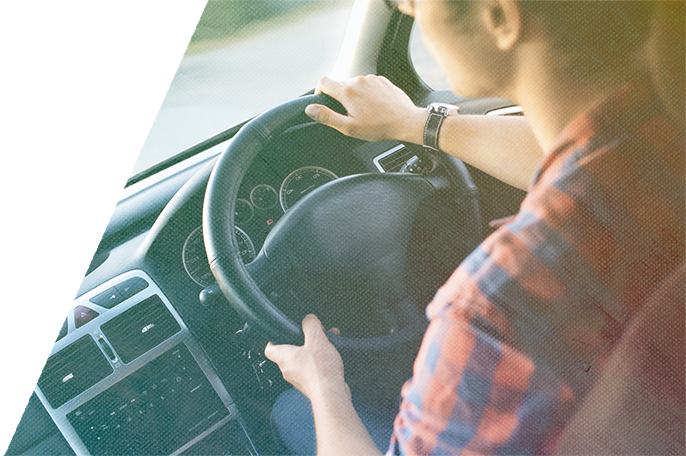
(471, 394)
(520, 330)
(512, 337)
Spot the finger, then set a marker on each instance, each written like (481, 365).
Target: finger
(335, 331)
(318, 89)
(271, 351)
(312, 328)
(278, 353)
(330, 87)
(327, 116)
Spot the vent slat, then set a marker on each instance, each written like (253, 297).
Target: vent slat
(130, 346)
(140, 328)
(135, 316)
(72, 371)
(55, 375)
(393, 162)
(73, 357)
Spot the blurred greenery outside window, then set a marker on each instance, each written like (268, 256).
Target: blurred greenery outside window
(149, 79)
(99, 31)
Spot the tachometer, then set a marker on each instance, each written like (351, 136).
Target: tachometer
(195, 257)
(301, 182)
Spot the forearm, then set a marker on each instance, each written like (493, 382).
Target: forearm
(502, 146)
(338, 427)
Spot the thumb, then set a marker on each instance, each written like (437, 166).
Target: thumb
(326, 116)
(277, 353)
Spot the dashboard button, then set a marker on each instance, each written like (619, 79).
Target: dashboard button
(83, 315)
(33, 346)
(107, 299)
(56, 330)
(131, 286)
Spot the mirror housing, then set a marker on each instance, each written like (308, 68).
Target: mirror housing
(30, 58)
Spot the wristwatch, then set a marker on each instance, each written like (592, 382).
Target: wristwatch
(437, 112)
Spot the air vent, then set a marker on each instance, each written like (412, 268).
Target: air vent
(140, 328)
(73, 370)
(392, 160)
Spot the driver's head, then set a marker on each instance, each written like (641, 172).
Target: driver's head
(479, 43)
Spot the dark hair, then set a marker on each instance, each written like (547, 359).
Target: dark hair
(458, 8)
(601, 29)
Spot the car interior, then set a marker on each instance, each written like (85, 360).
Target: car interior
(228, 245)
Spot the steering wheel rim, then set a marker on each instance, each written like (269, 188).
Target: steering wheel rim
(234, 277)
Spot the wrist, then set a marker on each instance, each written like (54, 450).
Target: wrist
(411, 127)
(330, 394)
(437, 113)
(333, 389)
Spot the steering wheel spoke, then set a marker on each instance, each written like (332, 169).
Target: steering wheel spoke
(264, 270)
(402, 314)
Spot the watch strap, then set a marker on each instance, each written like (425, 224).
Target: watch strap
(431, 129)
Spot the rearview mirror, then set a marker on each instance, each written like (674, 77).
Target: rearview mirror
(31, 57)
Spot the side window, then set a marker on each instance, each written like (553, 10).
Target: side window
(426, 66)
(149, 79)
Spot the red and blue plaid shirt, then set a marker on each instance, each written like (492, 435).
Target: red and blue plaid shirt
(522, 327)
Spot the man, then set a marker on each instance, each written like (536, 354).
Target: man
(523, 326)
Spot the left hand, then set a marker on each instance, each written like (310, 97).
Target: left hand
(316, 368)
(376, 109)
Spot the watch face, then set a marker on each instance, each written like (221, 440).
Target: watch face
(444, 109)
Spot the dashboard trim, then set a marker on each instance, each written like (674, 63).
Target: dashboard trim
(122, 370)
(378, 158)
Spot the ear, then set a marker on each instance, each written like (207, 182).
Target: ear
(406, 7)
(503, 19)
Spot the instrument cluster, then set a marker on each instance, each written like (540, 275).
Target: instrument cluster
(254, 218)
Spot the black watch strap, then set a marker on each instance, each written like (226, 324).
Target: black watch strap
(437, 112)
(431, 128)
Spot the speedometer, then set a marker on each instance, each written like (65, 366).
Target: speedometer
(195, 257)
(301, 182)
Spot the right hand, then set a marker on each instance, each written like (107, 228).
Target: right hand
(316, 367)
(377, 110)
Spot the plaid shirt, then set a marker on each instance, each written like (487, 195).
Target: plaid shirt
(522, 327)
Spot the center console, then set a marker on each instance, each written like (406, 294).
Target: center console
(128, 378)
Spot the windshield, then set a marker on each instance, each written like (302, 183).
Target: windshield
(149, 80)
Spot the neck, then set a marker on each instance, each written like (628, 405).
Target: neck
(552, 96)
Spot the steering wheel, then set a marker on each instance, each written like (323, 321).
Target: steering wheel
(358, 227)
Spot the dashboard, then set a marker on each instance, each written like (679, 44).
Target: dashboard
(129, 378)
(257, 214)
(141, 366)
(283, 175)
